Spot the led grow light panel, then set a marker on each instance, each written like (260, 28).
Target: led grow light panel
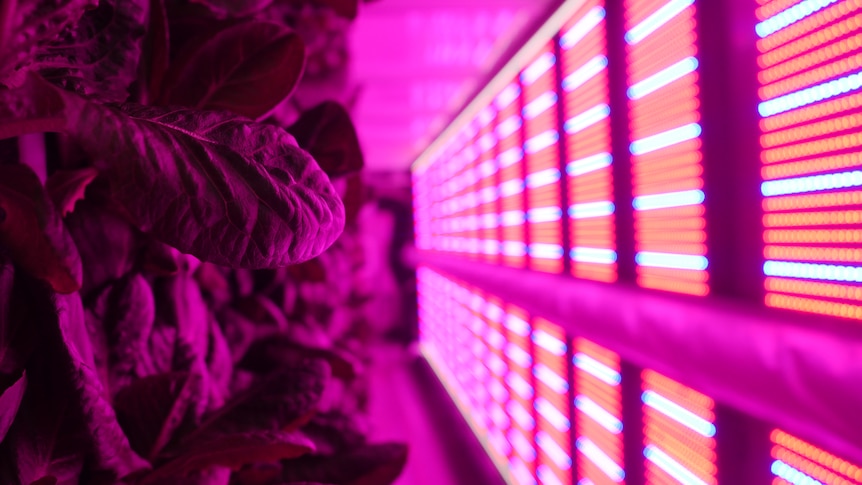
(587, 139)
(598, 414)
(679, 433)
(542, 162)
(510, 160)
(665, 147)
(553, 430)
(522, 393)
(810, 75)
(796, 462)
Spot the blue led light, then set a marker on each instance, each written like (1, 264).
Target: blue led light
(517, 325)
(540, 66)
(678, 413)
(521, 416)
(512, 218)
(549, 342)
(599, 458)
(812, 183)
(508, 126)
(584, 73)
(658, 18)
(663, 78)
(812, 271)
(510, 157)
(544, 214)
(540, 105)
(519, 385)
(543, 177)
(587, 119)
(550, 378)
(541, 141)
(514, 248)
(597, 369)
(790, 16)
(668, 200)
(547, 476)
(587, 23)
(791, 474)
(665, 139)
(589, 164)
(545, 251)
(673, 468)
(553, 450)
(507, 96)
(813, 94)
(598, 414)
(671, 260)
(588, 210)
(553, 415)
(593, 255)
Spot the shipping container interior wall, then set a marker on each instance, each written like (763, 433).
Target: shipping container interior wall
(640, 247)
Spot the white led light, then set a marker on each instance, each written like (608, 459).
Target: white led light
(586, 119)
(547, 476)
(671, 260)
(665, 139)
(499, 442)
(522, 474)
(521, 416)
(544, 214)
(584, 73)
(589, 164)
(543, 177)
(510, 157)
(517, 325)
(540, 105)
(588, 210)
(813, 94)
(519, 385)
(508, 126)
(489, 221)
(668, 200)
(598, 414)
(550, 378)
(593, 255)
(663, 78)
(585, 481)
(792, 475)
(499, 417)
(507, 96)
(540, 66)
(511, 187)
(553, 415)
(491, 247)
(512, 218)
(545, 251)
(541, 141)
(518, 355)
(488, 194)
(812, 183)
(658, 18)
(583, 27)
(678, 413)
(790, 16)
(673, 468)
(549, 342)
(499, 391)
(487, 168)
(599, 458)
(813, 271)
(596, 369)
(486, 116)
(553, 450)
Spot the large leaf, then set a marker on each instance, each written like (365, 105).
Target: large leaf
(151, 409)
(98, 55)
(66, 187)
(10, 400)
(335, 432)
(246, 68)
(345, 8)
(327, 132)
(33, 233)
(279, 350)
(378, 464)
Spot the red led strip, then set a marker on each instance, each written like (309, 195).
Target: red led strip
(791, 454)
(821, 226)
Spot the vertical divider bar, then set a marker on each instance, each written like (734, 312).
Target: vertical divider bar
(633, 436)
(622, 173)
(564, 182)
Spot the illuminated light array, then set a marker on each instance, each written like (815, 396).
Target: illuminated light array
(665, 145)
(511, 182)
(597, 414)
(541, 159)
(811, 112)
(486, 188)
(519, 358)
(679, 432)
(552, 405)
(799, 462)
(587, 142)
